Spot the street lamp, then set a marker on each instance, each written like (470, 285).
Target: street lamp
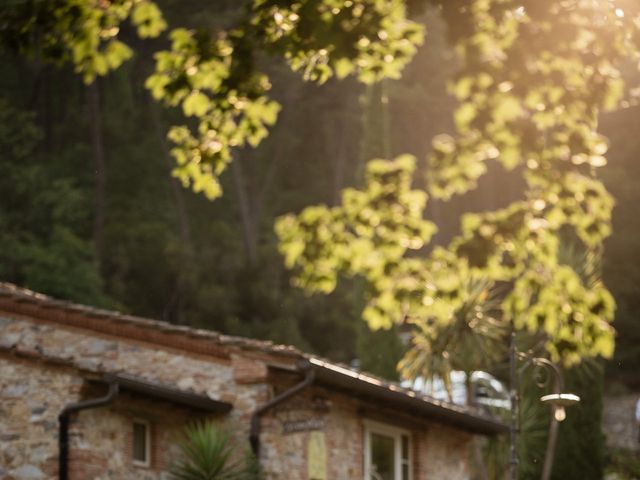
(558, 401)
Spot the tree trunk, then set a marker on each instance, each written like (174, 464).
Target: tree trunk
(172, 310)
(99, 167)
(336, 136)
(247, 213)
(184, 227)
(252, 186)
(47, 107)
(376, 135)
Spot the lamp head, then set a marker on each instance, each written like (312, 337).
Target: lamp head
(559, 401)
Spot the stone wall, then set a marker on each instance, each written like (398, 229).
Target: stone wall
(444, 453)
(618, 421)
(33, 392)
(213, 377)
(438, 451)
(285, 454)
(31, 397)
(102, 439)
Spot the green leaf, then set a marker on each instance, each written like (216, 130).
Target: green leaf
(148, 18)
(196, 104)
(116, 53)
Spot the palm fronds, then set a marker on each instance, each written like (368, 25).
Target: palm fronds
(472, 340)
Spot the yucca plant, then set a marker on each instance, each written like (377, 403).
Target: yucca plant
(208, 453)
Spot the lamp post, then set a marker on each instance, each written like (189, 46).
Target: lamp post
(557, 400)
(514, 388)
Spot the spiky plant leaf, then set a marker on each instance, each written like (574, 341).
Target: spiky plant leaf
(472, 340)
(208, 453)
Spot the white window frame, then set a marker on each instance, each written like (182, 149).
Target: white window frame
(147, 442)
(396, 433)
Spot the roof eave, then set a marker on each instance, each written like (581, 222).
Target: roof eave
(410, 401)
(162, 392)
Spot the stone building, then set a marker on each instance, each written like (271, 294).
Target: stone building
(619, 421)
(308, 418)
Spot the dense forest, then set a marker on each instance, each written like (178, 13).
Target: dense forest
(90, 211)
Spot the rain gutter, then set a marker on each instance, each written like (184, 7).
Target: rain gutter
(254, 435)
(63, 432)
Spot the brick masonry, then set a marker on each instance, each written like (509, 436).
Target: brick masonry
(44, 366)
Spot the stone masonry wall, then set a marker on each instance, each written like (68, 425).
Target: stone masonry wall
(209, 376)
(284, 455)
(31, 396)
(102, 439)
(32, 393)
(444, 453)
(618, 421)
(439, 452)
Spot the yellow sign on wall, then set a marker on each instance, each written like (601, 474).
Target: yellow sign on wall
(317, 456)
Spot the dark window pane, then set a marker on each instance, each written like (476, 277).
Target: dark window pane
(405, 471)
(382, 457)
(140, 442)
(405, 447)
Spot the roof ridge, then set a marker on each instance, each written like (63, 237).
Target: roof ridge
(29, 296)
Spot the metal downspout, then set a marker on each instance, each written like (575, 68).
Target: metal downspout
(254, 435)
(63, 419)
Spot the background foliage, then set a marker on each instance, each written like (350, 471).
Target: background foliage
(90, 209)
